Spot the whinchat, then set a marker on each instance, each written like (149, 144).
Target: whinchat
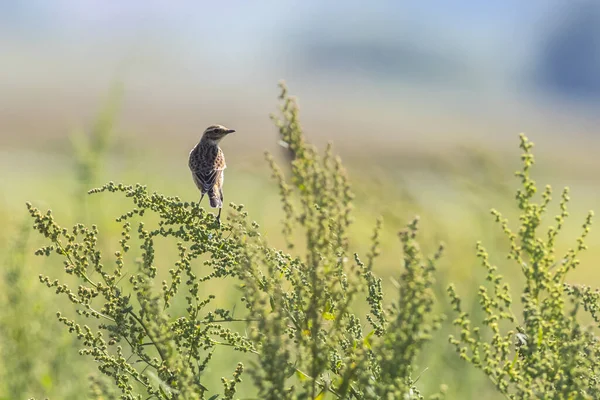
(207, 163)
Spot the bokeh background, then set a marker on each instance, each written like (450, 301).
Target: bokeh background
(424, 101)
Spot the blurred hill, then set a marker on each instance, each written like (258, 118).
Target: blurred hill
(407, 73)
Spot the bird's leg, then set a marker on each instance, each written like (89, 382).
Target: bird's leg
(199, 201)
(219, 217)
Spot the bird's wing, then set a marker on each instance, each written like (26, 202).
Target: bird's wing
(207, 179)
(209, 171)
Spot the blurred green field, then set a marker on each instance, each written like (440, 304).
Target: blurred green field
(451, 186)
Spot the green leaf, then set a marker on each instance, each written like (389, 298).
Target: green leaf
(46, 381)
(367, 339)
(328, 316)
(162, 391)
(301, 375)
(512, 365)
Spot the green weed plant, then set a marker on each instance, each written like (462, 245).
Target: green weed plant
(303, 333)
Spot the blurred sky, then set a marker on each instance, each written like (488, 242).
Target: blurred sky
(473, 65)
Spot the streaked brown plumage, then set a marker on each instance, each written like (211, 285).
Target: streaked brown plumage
(207, 163)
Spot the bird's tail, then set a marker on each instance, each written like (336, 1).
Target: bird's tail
(215, 199)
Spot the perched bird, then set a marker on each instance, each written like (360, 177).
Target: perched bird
(207, 163)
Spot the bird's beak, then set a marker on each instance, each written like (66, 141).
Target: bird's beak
(228, 131)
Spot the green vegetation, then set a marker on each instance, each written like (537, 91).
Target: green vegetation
(547, 352)
(163, 303)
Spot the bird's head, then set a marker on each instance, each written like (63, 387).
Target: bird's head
(215, 133)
